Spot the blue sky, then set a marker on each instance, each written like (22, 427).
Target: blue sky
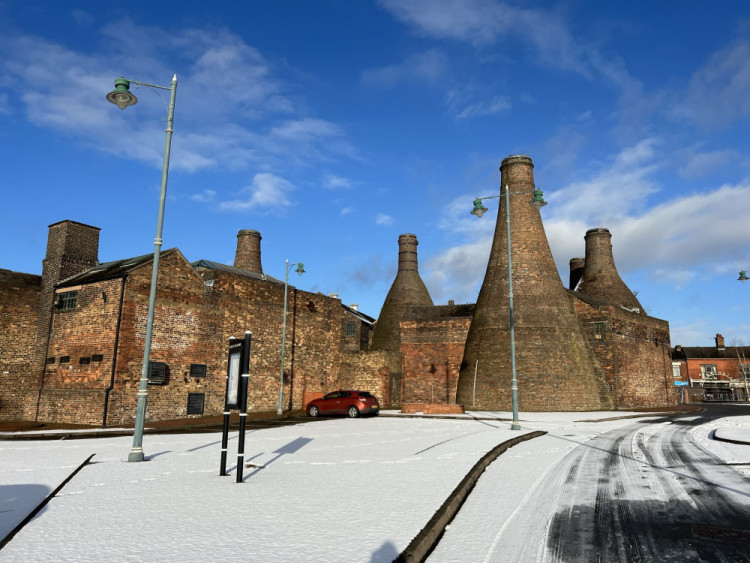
(332, 127)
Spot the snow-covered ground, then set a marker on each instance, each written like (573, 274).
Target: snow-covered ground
(339, 489)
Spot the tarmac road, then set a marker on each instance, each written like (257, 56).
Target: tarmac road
(643, 492)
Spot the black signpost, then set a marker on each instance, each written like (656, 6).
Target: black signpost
(245, 369)
(236, 393)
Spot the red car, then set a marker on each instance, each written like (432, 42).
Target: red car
(351, 403)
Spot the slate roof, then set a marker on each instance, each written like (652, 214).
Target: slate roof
(232, 270)
(710, 352)
(367, 319)
(112, 270)
(435, 312)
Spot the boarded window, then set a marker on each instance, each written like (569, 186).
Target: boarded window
(195, 403)
(157, 373)
(197, 370)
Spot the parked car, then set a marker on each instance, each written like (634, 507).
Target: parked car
(351, 403)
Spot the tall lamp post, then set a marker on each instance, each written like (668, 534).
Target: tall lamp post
(122, 97)
(479, 210)
(300, 270)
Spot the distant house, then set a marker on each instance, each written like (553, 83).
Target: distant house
(713, 373)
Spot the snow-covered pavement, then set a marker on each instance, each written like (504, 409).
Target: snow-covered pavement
(339, 489)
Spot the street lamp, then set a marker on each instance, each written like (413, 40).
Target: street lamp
(300, 270)
(122, 98)
(743, 276)
(479, 210)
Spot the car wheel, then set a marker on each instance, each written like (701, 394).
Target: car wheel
(353, 412)
(313, 411)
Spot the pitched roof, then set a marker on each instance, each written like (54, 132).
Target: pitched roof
(367, 319)
(112, 270)
(232, 270)
(435, 312)
(710, 352)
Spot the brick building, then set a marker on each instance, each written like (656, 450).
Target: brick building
(590, 346)
(713, 373)
(72, 339)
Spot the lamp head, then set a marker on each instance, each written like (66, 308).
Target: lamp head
(743, 276)
(121, 96)
(300, 268)
(538, 200)
(479, 209)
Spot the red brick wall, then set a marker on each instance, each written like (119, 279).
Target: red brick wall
(76, 392)
(19, 299)
(432, 352)
(366, 371)
(634, 353)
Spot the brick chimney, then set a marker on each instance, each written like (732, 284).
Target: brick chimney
(556, 369)
(576, 271)
(72, 248)
(600, 278)
(720, 342)
(407, 289)
(247, 256)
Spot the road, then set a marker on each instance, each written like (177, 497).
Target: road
(643, 492)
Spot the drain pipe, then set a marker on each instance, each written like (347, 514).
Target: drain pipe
(114, 352)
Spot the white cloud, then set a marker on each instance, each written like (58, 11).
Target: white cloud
(267, 191)
(231, 109)
(671, 242)
(421, 67)
(330, 181)
(345, 211)
(206, 196)
(383, 219)
(492, 106)
(719, 92)
(702, 164)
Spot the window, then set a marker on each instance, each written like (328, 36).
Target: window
(350, 329)
(709, 371)
(195, 403)
(66, 301)
(64, 359)
(598, 329)
(197, 370)
(157, 373)
(676, 371)
(97, 357)
(745, 371)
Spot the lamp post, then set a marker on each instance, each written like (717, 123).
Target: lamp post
(479, 210)
(122, 98)
(300, 270)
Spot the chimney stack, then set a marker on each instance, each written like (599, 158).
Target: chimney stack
(552, 355)
(247, 256)
(72, 248)
(720, 342)
(600, 278)
(576, 272)
(407, 289)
